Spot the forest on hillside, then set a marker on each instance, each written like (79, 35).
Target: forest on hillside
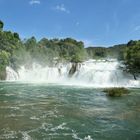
(15, 52)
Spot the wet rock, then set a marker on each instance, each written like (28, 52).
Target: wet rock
(73, 69)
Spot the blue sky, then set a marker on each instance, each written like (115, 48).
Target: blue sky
(96, 22)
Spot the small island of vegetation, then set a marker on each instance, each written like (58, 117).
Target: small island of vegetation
(116, 91)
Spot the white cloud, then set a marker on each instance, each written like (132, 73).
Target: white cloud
(77, 23)
(137, 28)
(61, 8)
(31, 2)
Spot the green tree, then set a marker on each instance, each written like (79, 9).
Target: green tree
(1, 25)
(132, 58)
(30, 44)
(4, 59)
(16, 35)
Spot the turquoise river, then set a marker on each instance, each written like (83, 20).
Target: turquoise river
(60, 112)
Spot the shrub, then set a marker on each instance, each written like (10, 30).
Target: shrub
(116, 92)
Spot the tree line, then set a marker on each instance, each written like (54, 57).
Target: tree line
(15, 52)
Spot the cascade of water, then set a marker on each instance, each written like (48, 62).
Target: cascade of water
(98, 73)
(11, 74)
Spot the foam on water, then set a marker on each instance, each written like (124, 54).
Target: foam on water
(8, 134)
(76, 137)
(66, 113)
(95, 73)
(26, 136)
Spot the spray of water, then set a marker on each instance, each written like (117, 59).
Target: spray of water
(96, 73)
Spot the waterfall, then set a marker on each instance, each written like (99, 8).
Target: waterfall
(11, 74)
(97, 73)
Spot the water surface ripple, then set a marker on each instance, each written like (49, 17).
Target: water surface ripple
(54, 112)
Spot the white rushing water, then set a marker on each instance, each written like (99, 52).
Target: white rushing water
(97, 73)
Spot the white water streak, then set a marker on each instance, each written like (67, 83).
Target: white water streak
(96, 73)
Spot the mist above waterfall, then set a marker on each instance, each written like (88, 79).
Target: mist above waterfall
(96, 73)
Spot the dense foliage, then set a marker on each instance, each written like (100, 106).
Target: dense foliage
(132, 58)
(9, 42)
(1, 25)
(116, 51)
(15, 52)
